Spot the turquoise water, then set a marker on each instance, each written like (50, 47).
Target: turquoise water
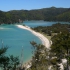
(15, 38)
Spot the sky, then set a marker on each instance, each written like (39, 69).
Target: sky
(7, 5)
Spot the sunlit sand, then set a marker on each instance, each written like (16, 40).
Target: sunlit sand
(44, 40)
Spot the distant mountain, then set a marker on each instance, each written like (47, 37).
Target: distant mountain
(47, 14)
(65, 16)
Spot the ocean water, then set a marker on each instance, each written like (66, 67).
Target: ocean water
(41, 23)
(15, 38)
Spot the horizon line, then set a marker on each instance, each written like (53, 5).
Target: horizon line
(32, 9)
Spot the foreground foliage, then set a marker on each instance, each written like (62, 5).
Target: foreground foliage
(8, 62)
(60, 49)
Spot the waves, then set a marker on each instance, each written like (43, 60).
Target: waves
(2, 28)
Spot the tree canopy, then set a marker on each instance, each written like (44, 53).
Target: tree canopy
(8, 62)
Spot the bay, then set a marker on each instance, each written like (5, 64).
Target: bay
(41, 23)
(15, 38)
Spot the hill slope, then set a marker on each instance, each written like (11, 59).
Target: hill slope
(48, 14)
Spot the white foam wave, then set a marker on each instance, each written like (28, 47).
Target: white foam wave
(4, 28)
(1, 28)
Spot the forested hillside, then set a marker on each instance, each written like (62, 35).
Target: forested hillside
(51, 59)
(47, 14)
(64, 16)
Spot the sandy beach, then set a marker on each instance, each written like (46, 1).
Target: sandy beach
(44, 40)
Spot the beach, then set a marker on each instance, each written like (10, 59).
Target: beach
(44, 40)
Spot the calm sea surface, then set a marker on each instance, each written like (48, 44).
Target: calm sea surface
(15, 38)
(41, 23)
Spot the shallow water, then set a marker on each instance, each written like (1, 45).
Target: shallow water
(15, 38)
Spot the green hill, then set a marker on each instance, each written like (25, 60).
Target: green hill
(64, 16)
(47, 14)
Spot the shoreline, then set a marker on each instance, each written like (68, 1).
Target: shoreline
(44, 40)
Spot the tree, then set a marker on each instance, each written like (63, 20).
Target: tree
(7, 62)
(39, 60)
(61, 46)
